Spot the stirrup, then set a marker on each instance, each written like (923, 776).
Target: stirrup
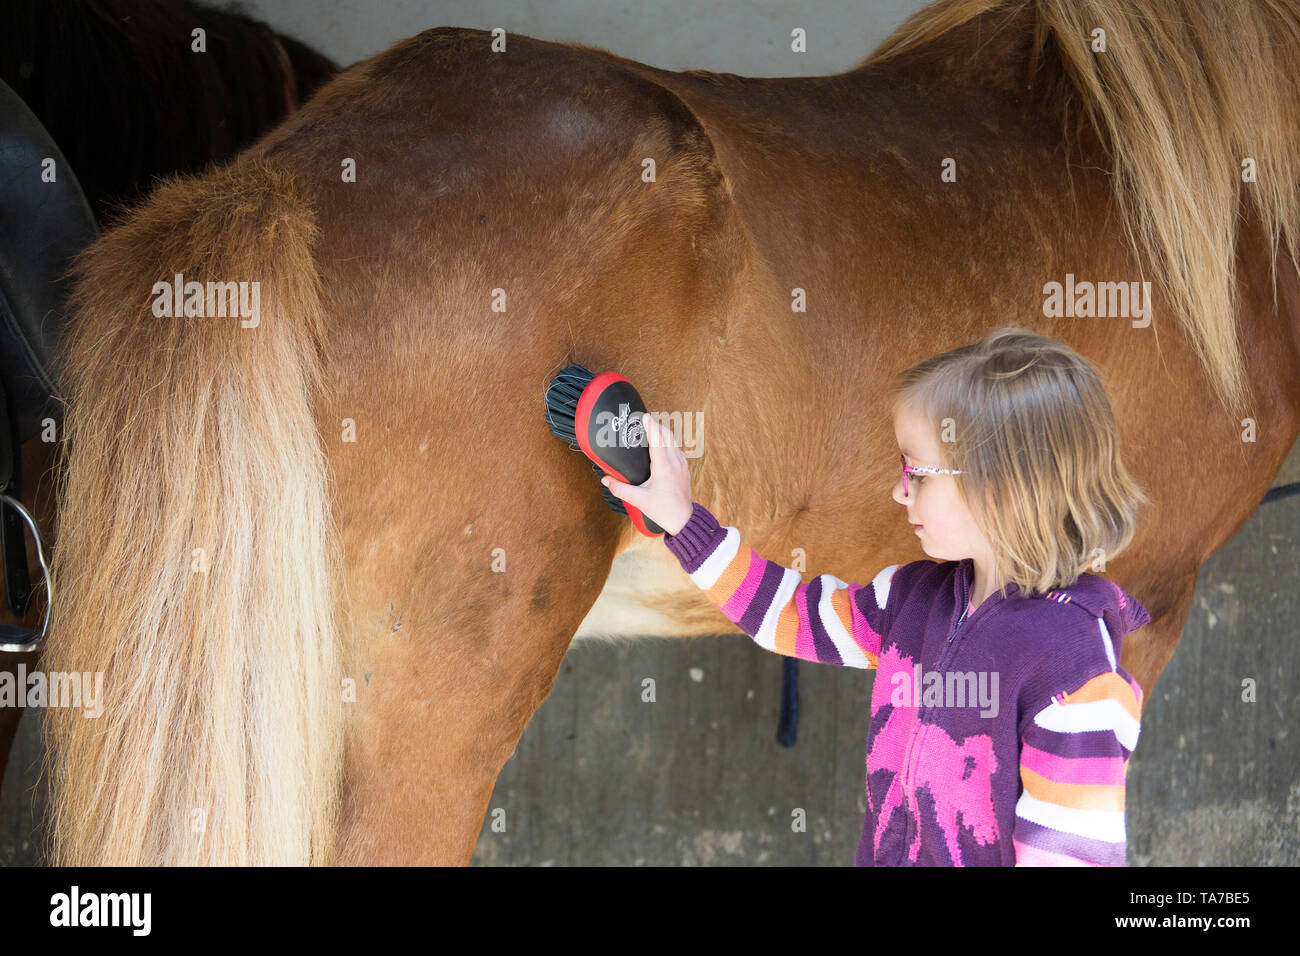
(20, 640)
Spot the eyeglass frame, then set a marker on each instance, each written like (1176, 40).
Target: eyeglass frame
(922, 470)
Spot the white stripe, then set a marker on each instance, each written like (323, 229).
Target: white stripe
(850, 653)
(881, 585)
(1104, 825)
(1105, 714)
(766, 634)
(707, 574)
(1105, 641)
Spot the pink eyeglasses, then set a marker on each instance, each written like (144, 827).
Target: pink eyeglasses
(922, 470)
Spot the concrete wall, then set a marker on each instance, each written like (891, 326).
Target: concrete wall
(750, 37)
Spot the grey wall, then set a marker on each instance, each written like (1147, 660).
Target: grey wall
(751, 37)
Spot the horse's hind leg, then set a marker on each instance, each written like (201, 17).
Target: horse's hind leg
(463, 607)
(474, 542)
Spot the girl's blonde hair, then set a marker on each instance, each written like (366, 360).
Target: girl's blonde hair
(1026, 420)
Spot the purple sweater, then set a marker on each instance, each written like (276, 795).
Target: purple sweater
(998, 737)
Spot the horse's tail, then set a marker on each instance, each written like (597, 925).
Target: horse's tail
(1191, 97)
(196, 565)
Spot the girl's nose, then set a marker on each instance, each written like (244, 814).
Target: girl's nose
(901, 498)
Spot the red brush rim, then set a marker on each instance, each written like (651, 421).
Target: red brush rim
(581, 423)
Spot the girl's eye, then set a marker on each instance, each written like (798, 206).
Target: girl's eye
(918, 478)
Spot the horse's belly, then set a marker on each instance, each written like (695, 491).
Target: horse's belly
(647, 594)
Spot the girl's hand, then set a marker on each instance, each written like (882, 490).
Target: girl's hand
(664, 497)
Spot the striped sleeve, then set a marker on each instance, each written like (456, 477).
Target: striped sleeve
(1073, 762)
(825, 620)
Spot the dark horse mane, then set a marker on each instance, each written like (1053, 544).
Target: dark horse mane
(118, 88)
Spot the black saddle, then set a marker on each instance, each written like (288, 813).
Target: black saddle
(44, 221)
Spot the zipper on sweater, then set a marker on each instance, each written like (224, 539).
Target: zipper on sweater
(920, 729)
(959, 620)
(909, 768)
(965, 604)
(909, 773)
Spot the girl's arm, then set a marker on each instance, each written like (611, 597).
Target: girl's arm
(825, 620)
(1073, 763)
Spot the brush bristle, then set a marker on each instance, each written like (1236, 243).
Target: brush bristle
(562, 401)
(614, 501)
(561, 406)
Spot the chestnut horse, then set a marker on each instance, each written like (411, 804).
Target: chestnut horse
(329, 561)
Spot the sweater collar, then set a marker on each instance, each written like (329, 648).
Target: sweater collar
(1100, 597)
(964, 584)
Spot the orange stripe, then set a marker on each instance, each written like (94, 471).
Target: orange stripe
(842, 608)
(732, 577)
(1106, 685)
(1080, 796)
(787, 627)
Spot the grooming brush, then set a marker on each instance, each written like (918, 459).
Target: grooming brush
(602, 415)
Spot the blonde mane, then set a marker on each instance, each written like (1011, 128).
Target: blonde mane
(1184, 94)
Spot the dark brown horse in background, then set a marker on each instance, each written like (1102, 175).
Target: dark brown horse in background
(119, 88)
(330, 564)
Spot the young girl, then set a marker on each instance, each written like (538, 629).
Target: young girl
(1001, 721)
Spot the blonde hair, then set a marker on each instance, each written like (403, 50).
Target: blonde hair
(1026, 420)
